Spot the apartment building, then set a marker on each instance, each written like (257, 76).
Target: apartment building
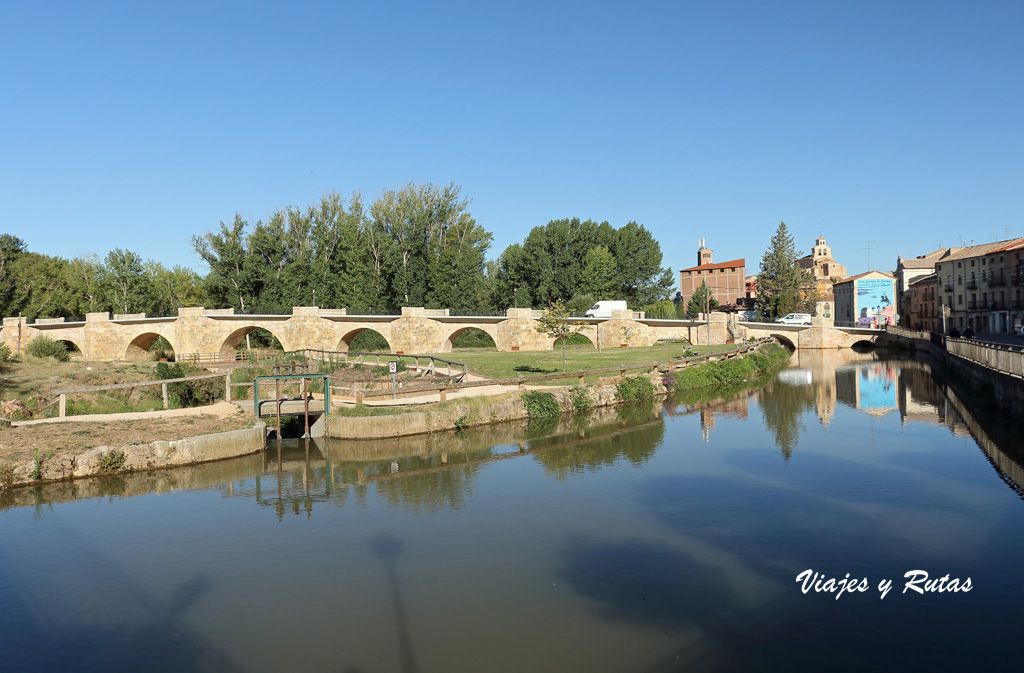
(907, 270)
(982, 286)
(921, 306)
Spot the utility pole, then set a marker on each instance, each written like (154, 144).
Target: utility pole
(869, 249)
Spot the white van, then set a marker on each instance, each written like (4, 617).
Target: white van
(795, 319)
(603, 309)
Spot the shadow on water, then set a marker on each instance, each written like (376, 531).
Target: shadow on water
(161, 640)
(388, 549)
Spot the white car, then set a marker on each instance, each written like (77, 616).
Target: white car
(795, 319)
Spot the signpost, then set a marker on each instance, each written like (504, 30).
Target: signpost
(393, 368)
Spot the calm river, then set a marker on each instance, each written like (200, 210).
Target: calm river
(639, 540)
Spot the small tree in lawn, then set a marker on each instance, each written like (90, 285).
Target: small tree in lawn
(555, 323)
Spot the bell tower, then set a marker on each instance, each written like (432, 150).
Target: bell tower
(703, 254)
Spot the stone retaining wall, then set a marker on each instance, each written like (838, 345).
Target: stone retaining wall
(163, 453)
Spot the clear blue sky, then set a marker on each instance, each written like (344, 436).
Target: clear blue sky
(138, 124)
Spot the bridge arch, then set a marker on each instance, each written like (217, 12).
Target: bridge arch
(346, 341)
(577, 340)
(72, 346)
(138, 348)
(785, 341)
(486, 329)
(234, 340)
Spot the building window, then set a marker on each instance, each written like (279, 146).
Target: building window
(959, 300)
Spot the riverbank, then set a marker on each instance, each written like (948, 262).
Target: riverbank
(608, 391)
(57, 465)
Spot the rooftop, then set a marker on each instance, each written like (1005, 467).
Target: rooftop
(719, 265)
(861, 275)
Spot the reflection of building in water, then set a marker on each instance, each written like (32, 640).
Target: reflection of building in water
(735, 408)
(825, 402)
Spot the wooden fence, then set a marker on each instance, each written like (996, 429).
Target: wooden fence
(63, 393)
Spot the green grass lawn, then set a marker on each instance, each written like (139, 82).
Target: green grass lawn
(500, 365)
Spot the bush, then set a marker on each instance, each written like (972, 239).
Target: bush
(663, 310)
(189, 393)
(580, 398)
(45, 347)
(634, 389)
(540, 405)
(112, 460)
(580, 303)
(5, 353)
(668, 379)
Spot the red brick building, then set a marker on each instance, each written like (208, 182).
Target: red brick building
(726, 280)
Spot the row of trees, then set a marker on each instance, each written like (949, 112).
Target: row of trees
(414, 246)
(37, 285)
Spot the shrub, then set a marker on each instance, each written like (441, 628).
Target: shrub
(634, 389)
(580, 398)
(45, 347)
(189, 393)
(111, 461)
(668, 379)
(6, 474)
(38, 458)
(689, 353)
(5, 353)
(540, 404)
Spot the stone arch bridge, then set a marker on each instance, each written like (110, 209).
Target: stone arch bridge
(416, 330)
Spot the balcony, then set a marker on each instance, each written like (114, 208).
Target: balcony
(1017, 304)
(947, 286)
(972, 306)
(972, 284)
(997, 280)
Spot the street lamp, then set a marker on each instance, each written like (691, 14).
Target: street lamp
(515, 294)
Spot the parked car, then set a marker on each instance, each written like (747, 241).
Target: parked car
(795, 319)
(603, 309)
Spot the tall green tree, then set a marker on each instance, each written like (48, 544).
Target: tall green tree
(642, 280)
(558, 259)
(84, 278)
(11, 247)
(701, 301)
(600, 272)
(782, 286)
(125, 281)
(233, 278)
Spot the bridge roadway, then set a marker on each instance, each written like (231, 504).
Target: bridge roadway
(196, 330)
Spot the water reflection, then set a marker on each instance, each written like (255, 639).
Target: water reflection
(437, 472)
(666, 535)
